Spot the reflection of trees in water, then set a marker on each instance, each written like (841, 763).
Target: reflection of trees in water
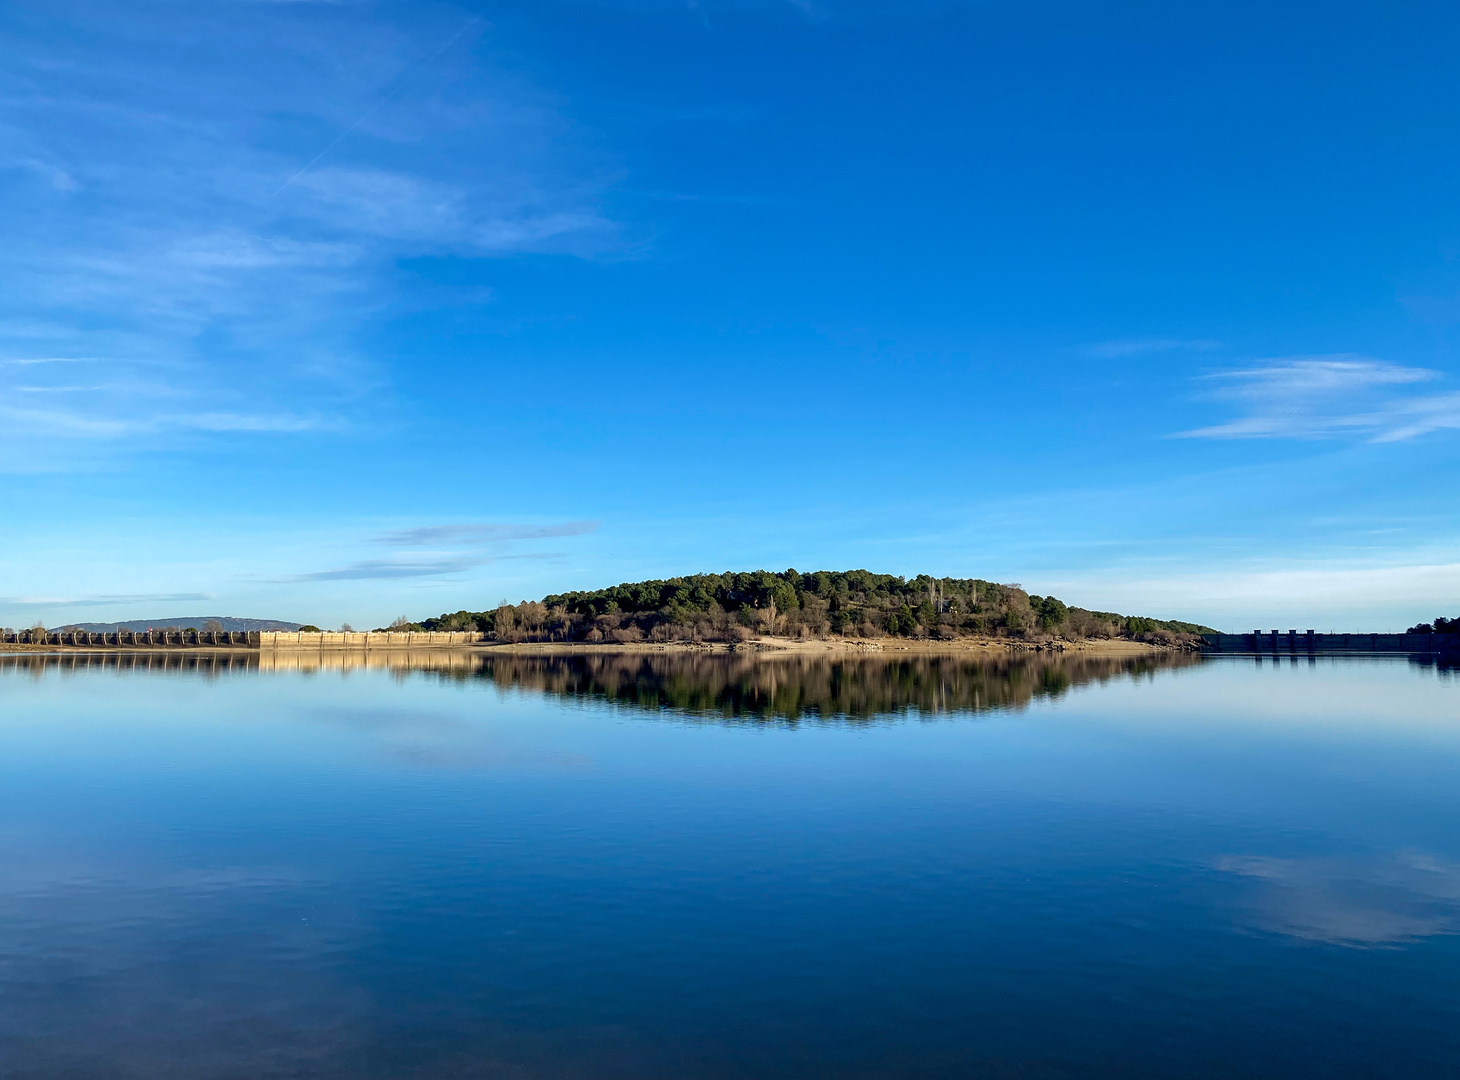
(755, 687)
(807, 687)
(1444, 664)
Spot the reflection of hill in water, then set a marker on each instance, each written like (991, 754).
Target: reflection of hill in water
(180, 661)
(756, 687)
(792, 688)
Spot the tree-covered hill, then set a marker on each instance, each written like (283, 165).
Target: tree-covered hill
(827, 603)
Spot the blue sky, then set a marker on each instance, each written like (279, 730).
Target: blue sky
(339, 311)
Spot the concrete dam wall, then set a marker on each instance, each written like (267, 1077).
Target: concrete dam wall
(264, 640)
(1305, 642)
(353, 639)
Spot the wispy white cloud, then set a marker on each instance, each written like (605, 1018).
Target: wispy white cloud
(811, 11)
(1115, 350)
(484, 532)
(24, 360)
(458, 548)
(161, 235)
(63, 423)
(101, 423)
(415, 210)
(1318, 397)
(1410, 418)
(58, 179)
(425, 566)
(101, 600)
(235, 250)
(1317, 375)
(279, 422)
(388, 569)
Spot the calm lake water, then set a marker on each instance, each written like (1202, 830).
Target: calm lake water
(683, 868)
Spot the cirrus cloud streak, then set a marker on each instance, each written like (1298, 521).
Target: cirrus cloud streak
(1328, 397)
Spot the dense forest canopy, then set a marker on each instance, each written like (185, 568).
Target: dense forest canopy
(827, 603)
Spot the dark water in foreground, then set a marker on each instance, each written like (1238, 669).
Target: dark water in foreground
(701, 868)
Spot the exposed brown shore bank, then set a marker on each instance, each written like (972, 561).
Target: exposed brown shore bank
(979, 647)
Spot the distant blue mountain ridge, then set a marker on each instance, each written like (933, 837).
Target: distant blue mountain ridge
(189, 622)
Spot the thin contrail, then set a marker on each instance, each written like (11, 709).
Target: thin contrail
(374, 108)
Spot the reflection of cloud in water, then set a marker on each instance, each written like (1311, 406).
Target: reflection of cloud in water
(1378, 901)
(440, 741)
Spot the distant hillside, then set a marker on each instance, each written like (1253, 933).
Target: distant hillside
(827, 603)
(187, 622)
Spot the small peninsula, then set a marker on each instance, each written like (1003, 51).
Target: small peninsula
(824, 605)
